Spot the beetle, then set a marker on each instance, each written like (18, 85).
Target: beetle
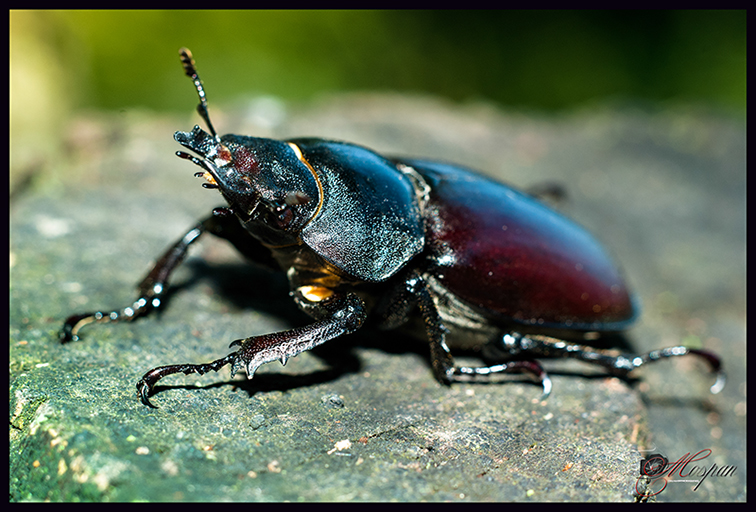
(432, 248)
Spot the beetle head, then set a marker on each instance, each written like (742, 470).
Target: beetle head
(266, 182)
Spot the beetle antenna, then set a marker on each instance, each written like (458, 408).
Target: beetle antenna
(191, 71)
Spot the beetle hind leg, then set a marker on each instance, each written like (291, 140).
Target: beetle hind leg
(518, 345)
(712, 359)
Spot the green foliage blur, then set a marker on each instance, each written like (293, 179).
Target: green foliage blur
(543, 60)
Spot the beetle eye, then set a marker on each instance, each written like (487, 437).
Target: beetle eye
(273, 213)
(285, 216)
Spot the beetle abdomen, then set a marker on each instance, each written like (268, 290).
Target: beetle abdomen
(504, 252)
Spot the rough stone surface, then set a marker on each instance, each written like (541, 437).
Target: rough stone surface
(362, 418)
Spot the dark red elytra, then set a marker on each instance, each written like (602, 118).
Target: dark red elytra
(516, 258)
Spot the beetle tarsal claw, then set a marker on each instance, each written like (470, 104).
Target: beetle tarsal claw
(719, 384)
(73, 324)
(546, 383)
(143, 390)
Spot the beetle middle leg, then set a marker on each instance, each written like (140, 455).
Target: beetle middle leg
(153, 286)
(415, 292)
(339, 313)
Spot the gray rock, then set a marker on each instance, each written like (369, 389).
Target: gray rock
(362, 418)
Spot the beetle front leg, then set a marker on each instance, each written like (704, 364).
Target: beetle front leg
(153, 286)
(515, 344)
(150, 289)
(339, 313)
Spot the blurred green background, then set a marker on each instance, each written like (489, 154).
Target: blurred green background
(63, 61)
(543, 59)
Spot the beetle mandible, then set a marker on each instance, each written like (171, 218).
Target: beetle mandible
(457, 258)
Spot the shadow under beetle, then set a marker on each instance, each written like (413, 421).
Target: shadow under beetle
(436, 249)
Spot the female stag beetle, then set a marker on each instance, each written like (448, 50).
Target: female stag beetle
(464, 261)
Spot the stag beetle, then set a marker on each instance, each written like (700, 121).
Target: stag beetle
(466, 262)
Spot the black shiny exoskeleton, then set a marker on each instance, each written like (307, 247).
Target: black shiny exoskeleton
(433, 248)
